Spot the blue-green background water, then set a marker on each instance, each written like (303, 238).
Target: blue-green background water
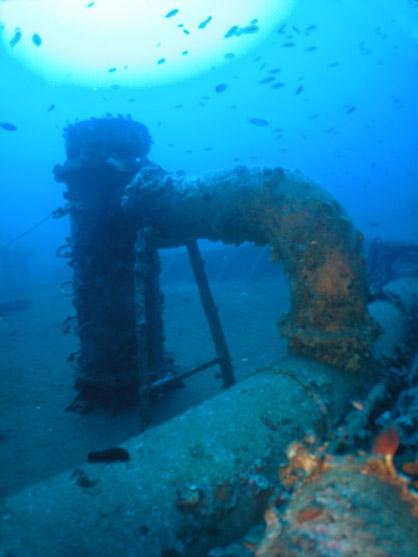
(346, 115)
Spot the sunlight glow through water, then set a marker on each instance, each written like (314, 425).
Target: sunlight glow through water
(133, 42)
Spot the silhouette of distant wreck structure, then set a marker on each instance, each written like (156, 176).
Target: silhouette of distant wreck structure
(124, 208)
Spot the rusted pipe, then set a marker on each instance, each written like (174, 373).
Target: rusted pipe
(308, 231)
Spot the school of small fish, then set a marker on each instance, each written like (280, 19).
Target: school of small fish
(291, 37)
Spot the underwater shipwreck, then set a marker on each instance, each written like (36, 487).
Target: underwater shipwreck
(270, 466)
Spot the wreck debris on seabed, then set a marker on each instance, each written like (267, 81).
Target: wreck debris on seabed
(199, 482)
(124, 208)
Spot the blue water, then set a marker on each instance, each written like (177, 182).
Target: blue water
(346, 116)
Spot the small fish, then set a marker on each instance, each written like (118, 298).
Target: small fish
(36, 39)
(221, 87)
(90, 5)
(333, 64)
(172, 13)
(278, 85)
(310, 48)
(250, 29)
(350, 109)
(186, 32)
(16, 38)
(51, 107)
(260, 122)
(185, 52)
(275, 70)
(161, 61)
(8, 126)
(289, 45)
(203, 24)
(236, 31)
(311, 28)
(111, 70)
(233, 31)
(229, 55)
(357, 405)
(266, 80)
(299, 90)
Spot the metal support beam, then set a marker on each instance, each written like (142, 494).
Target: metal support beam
(211, 312)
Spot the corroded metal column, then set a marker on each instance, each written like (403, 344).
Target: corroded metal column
(103, 155)
(153, 361)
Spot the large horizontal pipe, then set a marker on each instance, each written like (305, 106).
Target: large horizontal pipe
(195, 482)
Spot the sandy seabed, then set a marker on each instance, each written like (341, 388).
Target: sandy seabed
(39, 438)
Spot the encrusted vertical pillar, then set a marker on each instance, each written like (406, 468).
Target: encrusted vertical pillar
(103, 155)
(153, 361)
